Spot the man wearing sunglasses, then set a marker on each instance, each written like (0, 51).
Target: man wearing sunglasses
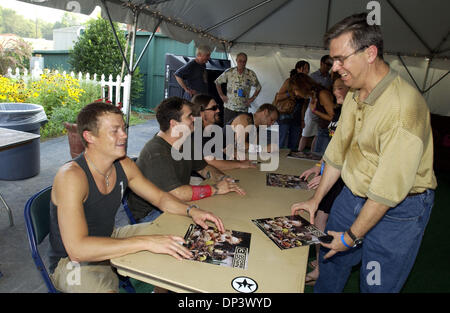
(383, 151)
(322, 75)
(208, 110)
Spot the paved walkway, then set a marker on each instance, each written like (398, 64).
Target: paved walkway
(16, 264)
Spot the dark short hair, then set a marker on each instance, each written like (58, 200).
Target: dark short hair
(325, 58)
(88, 117)
(201, 100)
(299, 64)
(363, 34)
(170, 109)
(269, 107)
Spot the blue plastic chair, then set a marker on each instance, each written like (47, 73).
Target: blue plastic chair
(37, 222)
(126, 208)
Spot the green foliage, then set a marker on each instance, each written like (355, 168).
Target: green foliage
(45, 29)
(98, 43)
(14, 52)
(96, 50)
(62, 98)
(55, 125)
(67, 20)
(54, 90)
(137, 88)
(13, 23)
(92, 92)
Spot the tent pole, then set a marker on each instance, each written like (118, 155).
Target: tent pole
(409, 26)
(328, 16)
(435, 83)
(226, 51)
(115, 35)
(126, 51)
(146, 45)
(442, 42)
(257, 23)
(427, 71)
(406, 68)
(128, 93)
(237, 15)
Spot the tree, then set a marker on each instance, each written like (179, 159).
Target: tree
(96, 51)
(14, 52)
(46, 29)
(13, 23)
(67, 20)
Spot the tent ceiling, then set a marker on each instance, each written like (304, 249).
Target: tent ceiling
(413, 27)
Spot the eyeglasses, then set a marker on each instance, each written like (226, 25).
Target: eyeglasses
(341, 60)
(213, 108)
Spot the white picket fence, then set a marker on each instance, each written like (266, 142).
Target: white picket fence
(119, 88)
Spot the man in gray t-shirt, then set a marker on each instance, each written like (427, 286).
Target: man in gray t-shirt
(193, 77)
(156, 161)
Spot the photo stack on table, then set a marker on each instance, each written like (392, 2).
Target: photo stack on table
(289, 231)
(286, 181)
(229, 249)
(303, 156)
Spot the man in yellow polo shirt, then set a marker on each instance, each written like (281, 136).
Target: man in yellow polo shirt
(383, 150)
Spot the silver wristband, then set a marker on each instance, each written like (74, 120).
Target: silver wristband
(188, 209)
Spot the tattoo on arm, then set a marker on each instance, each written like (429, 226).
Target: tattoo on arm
(205, 173)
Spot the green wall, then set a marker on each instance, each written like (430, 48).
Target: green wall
(55, 59)
(151, 66)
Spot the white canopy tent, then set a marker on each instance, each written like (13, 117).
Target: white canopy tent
(277, 33)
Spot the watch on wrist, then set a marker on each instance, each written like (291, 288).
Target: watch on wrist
(357, 241)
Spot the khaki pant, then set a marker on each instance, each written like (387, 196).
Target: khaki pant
(92, 277)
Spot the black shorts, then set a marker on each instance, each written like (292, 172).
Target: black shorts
(327, 201)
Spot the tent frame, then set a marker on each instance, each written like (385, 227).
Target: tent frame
(131, 68)
(136, 9)
(431, 53)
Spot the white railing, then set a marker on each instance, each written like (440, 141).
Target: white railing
(109, 87)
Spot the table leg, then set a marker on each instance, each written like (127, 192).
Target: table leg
(11, 221)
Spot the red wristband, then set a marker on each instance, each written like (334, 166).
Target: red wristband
(200, 192)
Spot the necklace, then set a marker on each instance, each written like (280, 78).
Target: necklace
(104, 175)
